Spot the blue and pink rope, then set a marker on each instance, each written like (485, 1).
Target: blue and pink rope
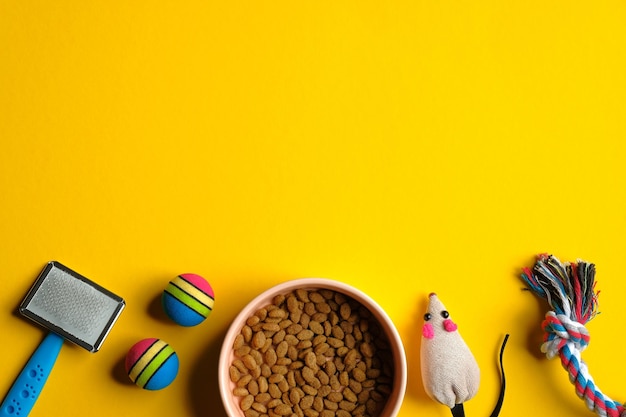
(569, 289)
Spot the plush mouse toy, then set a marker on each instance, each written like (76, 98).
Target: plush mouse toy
(449, 370)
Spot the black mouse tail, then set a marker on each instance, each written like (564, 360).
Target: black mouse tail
(458, 411)
(498, 406)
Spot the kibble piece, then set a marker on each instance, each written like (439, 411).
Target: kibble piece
(305, 319)
(292, 353)
(344, 378)
(334, 342)
(292, 303)
(306, 402)
(376, 396)
(364, 396)
(355, 386)
(265, 370)
(274, 391)
(253, 387)
(246, 332)
(310, 360)
(323, 377)
(302, 295)
(291, 379)
(279, 369)
(234, 373)
(256, 372)
(359, 410)
(318, 404)
(244, 380)
(283, 410)
(316, 327)
(324, 390)
(291, 340)
(371, 406)
(275, 378)
(368, 383)
(270, 357)
(251, 413)
(330, 405)
(309, 390)
(372, 373)
(334, 396)
(263, 397)
(349, 395)
(296, 316)
(305, 334)
(277, 313)
(278, 337)
(304, 344)
(294, 397)
(247, 401)
(283, 385)
(258, 340)
(239, 341)
(345, 311)
(238, 363)
(384, 389)
(366, 350)
(309, 412)
(308, 374)
(249, 362)
(274, 402)
(295, 328)
(271, 327)
(347, 405)
(258, 357)
(350, 359)
(349, 341)
(243, 351)
(359, 375)
(261, 408)
(281, 349)
(316, 297)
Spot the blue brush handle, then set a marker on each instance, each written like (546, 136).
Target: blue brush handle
(26, 388)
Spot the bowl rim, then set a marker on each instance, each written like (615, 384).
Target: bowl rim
(395, 400)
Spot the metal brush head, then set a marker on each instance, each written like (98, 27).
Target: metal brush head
(67, 303)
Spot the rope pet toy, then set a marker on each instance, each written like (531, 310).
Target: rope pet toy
(569, 289)
(449, 371)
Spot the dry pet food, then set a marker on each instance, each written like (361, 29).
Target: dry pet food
(312, 353)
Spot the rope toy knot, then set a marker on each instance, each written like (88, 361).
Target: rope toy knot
(569, 289)
(561, 330)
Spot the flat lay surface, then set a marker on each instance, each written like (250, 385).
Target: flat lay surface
(401, 147)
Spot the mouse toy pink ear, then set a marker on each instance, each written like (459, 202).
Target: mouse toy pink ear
(569, 289)
(450, 373)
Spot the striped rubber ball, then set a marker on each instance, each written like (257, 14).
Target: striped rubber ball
(152, 364)
(188, 299)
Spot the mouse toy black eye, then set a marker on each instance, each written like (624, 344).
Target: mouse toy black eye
(445, 314)
(427, 316)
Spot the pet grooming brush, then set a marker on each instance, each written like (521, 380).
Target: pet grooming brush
(71, 307)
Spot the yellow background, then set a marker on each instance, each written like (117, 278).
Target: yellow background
(402, 147)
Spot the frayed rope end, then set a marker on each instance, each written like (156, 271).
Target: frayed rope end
(569, 288)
